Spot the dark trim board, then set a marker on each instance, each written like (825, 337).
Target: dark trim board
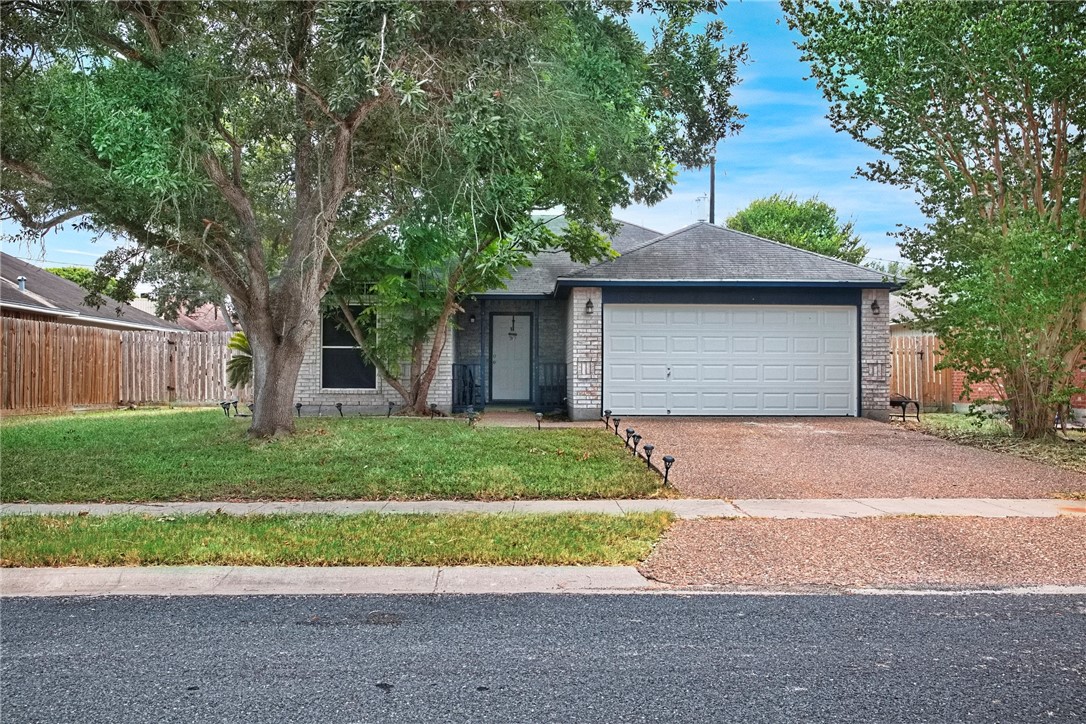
(734, 295)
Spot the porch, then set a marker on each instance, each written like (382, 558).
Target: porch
(510, 351)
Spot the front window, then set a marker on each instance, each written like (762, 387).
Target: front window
(342, 365)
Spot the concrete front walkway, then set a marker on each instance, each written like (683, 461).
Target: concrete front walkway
(683, 508)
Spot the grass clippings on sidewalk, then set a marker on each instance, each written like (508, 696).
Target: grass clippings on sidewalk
(202, 455)
(368, 539)
(995, 435)
(904, 551)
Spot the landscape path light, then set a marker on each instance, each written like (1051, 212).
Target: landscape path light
(636, 441)
(668, 462)
(629, 433)
(539, 421)
(298, 408)
(616, 421)
(649, 447)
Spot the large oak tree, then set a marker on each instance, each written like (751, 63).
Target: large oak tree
(265, 142)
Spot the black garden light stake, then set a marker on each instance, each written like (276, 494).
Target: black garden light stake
(339, 407)
(225, 405)
(636, 441)
(668, 462)
(617, 420)
(298, 408)
(473, 417)
(629, 434)
(252, 407)
(649, 447)
(391, 404)
(539, 421)
(606, 418)
(433, 410)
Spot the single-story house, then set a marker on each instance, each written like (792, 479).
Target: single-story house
(702, 321)
(30, 292)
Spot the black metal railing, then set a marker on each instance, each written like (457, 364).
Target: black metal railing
(552, 385)
(467, 386)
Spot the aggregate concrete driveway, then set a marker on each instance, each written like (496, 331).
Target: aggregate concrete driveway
(805, 457)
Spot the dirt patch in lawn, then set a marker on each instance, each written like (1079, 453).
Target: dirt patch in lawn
(904, 551)
(797, 457)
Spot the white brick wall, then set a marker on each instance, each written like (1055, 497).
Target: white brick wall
(584, 354)
(875, 355)
(309, 390)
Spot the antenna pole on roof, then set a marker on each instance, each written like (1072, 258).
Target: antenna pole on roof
(712, 190)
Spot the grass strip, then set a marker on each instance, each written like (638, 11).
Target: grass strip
(996, 435)
(368, 539)
(202, 455)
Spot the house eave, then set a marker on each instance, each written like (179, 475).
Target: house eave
(95, 321)
(852, 284)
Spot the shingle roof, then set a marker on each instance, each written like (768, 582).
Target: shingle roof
(546, 268)
(48, 294)
(705, 252)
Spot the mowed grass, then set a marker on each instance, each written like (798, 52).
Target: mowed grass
(994, 434)
(202, 455)
(369, 539)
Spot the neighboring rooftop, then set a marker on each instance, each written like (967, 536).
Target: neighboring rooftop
(49, 295)
(705, 252)
(205, 318)
(546, 268)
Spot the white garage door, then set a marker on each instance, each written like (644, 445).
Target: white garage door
(687, 359)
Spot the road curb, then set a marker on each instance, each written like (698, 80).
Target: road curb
(257, 581)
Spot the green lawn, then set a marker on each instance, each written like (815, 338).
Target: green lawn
(202, 455)
(993, 434)
(326, 540)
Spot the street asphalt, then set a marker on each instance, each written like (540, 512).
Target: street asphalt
(538, 658)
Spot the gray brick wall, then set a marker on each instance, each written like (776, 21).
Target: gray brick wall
(309, 391)
(584, 353)
(550, 325)
(875, 355)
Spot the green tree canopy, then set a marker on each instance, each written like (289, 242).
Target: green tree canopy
(809, 224)
(266, 142)
(979, 107)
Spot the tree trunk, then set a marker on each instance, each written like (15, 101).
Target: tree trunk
(277, 360)
(421, 384)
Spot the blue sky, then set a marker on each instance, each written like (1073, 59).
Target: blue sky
(787, 146)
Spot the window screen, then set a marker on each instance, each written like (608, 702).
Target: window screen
(342, 365)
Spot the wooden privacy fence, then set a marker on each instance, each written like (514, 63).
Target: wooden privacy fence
(50, 365)
(913, 373)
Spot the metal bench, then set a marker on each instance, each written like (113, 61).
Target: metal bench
(903, 402)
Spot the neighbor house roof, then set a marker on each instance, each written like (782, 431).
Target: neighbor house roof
(546, 268)
(52, 296)
(706, 253)
(205, 318)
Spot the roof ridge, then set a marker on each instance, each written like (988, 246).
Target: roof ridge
(648, 243)
(808, 251)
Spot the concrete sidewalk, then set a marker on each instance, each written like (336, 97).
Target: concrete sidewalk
(683, 508)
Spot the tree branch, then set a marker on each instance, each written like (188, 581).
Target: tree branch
(24, 217)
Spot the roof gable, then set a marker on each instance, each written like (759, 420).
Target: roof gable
(705, 252)
(540, 277)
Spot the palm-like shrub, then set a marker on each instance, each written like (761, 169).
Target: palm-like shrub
(239, 369)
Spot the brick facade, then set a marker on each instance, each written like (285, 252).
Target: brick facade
(875, 354)
(584, 353)
(309, 391)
